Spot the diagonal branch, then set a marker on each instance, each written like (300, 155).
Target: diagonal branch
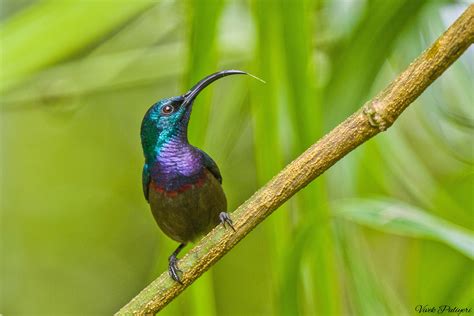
(375, 116)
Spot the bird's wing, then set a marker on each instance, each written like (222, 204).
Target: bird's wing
(145, 181)
(211, 165)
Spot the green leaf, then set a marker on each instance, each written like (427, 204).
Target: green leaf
(358, 59)
(35, 38)
(403, 219)
(367, 289)
(202, 60)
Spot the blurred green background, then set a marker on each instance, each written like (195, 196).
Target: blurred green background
(386, 229)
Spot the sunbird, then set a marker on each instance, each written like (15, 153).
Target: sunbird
(182, 184)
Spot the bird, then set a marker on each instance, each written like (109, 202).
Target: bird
(182, 184)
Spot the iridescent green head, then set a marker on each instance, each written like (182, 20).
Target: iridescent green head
(168, 118)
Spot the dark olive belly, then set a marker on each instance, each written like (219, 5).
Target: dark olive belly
(186, 214)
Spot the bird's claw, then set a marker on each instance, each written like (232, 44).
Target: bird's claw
(173, 269)
(225, 219)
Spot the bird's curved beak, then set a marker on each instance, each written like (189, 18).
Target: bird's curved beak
(198, 87)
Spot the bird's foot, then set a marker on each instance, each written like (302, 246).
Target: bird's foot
(225, 219)
(173, 269)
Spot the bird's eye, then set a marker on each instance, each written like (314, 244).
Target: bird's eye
(167, 109)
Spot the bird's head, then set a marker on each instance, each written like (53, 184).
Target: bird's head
(168, 118)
